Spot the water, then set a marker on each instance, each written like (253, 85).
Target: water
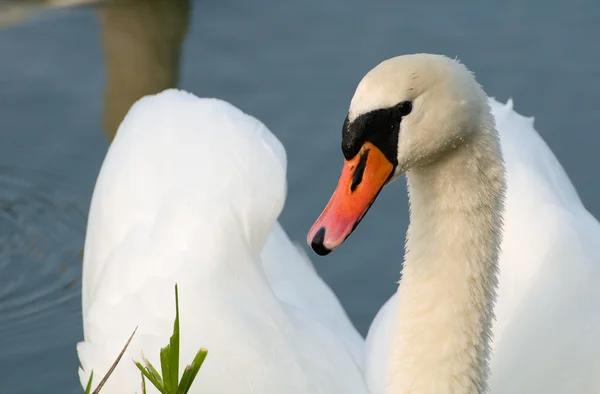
(294, 65)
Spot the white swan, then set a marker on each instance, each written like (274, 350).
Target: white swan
(426, 116)
(546, 228)
(188, 193)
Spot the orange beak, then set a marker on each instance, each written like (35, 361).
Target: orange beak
(362, 179)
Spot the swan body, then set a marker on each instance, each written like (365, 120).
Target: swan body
(295, 282)
(529, 256)
(189, 193)
(548, 307)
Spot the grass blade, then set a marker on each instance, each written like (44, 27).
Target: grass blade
(152, 376)
(143, 384)
(88, 388)
(169, 363)
(114, 365)
(174, 349)
(185, 378)
(191, 371)
(153, 371)
(165, 365)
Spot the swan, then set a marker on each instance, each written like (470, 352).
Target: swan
(496, 228)
(545, 232)
(189, 193)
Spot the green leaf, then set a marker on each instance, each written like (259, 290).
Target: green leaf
(191, 371)
(165, 367)
(185, 378)
(153, 371)
(150, 373)
(88, 388)
(174, 349)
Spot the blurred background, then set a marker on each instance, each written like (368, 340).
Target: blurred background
(70, 70)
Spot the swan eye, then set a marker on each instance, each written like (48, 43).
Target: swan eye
(404, 108)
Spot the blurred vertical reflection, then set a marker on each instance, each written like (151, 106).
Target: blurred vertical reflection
(142, 42)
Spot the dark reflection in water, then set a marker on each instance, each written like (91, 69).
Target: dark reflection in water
(68, 76)
(142, 44)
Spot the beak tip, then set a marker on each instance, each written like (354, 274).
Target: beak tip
(317, 243)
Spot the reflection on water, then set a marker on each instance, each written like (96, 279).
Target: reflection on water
(16, 11)
(141, 42)
(142, 45)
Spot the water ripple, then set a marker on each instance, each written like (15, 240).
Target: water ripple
(42, 226)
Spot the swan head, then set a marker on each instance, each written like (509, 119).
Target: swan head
(407, 112)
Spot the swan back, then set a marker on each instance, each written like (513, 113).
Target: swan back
(188, 193)
(295, 281)
(542, 204)
(163, 213)
(166, 163)
(548, 300)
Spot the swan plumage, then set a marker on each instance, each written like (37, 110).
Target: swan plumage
(295, 282)
(188, 193)
(526, 253)
(548, 306)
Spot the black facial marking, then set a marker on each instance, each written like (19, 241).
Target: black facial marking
(380, 127)
(317, 243)
(357, 176)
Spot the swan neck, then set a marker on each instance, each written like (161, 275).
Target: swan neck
(449, 279)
